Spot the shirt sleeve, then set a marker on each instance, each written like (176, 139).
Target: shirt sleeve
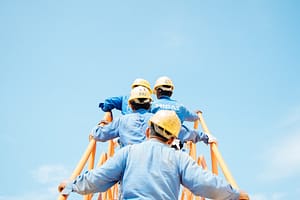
(101, 178)
(112, 103)
(106, 132)
(195, 136)
(203, 183)
(188, 115)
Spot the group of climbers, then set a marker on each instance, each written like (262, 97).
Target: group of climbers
(150, 169)
(138, 105)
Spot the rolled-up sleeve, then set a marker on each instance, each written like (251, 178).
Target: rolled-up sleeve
(101, 178)
(204, 183)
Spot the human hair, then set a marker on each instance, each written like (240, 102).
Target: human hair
(156, 134)
(137, 106)
(161, 92)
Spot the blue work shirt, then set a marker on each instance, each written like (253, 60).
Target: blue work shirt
(152, 170)
(119, 103)
(130, 128)
(192, 135)
(166, 103)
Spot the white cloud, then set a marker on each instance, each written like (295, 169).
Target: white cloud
(173, 39)
(273, 196)
(50, 173)
(282, 160)
(292, 120)
(42, 195)
(48, 178)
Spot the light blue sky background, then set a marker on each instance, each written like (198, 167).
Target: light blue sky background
(237, 61)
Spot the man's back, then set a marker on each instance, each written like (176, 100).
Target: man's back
(153, 170)
(166, 103)
(130, 128)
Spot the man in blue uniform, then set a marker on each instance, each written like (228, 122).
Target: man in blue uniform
(153, 170)
(131, 127)
(121, 102)
(163, 89)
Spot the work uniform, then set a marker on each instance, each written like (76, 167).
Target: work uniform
(194, 136)
(152, 170)
(166, 103)
(119, 103)
(130, 128)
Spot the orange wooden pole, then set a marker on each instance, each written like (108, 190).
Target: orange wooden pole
(224, 167)
(186, 194)
(109, 193)
(90, 167)
(193, 150)
(102, 160)
(111, 149)
(217, 157)
(107, 117)
(182, 194)
(84, 159)
(92, 158)
(61, 197)
(81, 163)
(214, 164)
(91, 147)
(201, 161)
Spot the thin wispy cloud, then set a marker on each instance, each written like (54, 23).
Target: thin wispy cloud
(292, 120)
(282, 158)
(273, 196)
(173, 39)
(49, 176)
(50, 173)
(37, 195)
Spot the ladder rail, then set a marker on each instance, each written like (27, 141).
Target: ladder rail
(88, 154)
(216, 156)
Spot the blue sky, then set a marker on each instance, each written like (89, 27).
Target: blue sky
(237, 61)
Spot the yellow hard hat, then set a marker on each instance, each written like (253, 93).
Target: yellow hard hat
(165, 83)
(141, 82)
(166, 123)
(140, 95)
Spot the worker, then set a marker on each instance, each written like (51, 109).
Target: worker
(163, 89)
(153, 170)
(130, 128)
(121, 102)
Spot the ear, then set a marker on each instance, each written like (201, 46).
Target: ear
(130, 106)
(147, 132)
(170, 141)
